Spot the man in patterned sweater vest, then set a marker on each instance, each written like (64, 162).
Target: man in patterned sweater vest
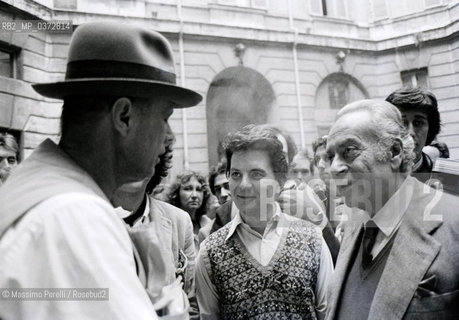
(263, 264)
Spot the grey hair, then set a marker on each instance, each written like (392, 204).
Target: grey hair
(387, 126)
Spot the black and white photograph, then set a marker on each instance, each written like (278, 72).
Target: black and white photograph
(229, 159)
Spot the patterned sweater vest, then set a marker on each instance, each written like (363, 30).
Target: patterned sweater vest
(284, 289)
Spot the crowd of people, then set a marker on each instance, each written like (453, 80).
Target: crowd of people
(355, 228)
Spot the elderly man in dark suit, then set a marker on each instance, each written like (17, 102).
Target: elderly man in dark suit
(400, 252)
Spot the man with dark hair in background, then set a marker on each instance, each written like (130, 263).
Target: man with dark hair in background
(218, 183)
(301, 167)
(421, 117)
(9, 151)
(58, 228)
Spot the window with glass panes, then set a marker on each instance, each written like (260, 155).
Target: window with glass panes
(415, 78)
(330, 8)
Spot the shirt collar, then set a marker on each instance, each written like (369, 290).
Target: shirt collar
(389, 216)
(234, 210)
(146, 211)
(237, 220)
(122, 213)
(204, 220)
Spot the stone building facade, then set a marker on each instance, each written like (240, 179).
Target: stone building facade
(292, 63)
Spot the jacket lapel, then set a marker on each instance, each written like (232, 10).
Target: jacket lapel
(163, 224)
(352, 230)
(163, 227)
(411, 255)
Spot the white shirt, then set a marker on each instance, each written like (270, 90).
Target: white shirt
(261, 248)
(144, 219)
(58, 230)
(73, 240)
(389, 217)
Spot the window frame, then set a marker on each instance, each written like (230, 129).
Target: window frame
(13, 64)
(386, 16)
(335, 7)
(413, 73)
(313, 13)
(16, 57)
(329, 4)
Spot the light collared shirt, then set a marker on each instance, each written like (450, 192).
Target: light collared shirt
(70, 240)
(145, 218)
(389, 217)
(261, 248)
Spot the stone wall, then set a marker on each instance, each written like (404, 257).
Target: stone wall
(372, 58)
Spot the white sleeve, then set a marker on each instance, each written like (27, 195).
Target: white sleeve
(206, 292)
(74, 241)
(323, 279)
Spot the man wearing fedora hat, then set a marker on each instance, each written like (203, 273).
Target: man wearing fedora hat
(57, 228)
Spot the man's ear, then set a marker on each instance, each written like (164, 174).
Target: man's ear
(122, 113)
(397, 154)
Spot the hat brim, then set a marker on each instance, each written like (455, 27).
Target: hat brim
(182, 97)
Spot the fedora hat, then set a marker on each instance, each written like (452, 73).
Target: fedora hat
(113, 59)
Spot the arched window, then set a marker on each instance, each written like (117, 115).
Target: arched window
(237, 96)
(335, 91)
(338, 89)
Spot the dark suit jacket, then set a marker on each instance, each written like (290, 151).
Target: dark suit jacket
(421, 276)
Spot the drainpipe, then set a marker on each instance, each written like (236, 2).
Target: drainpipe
(186, 163)
(297, 73)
